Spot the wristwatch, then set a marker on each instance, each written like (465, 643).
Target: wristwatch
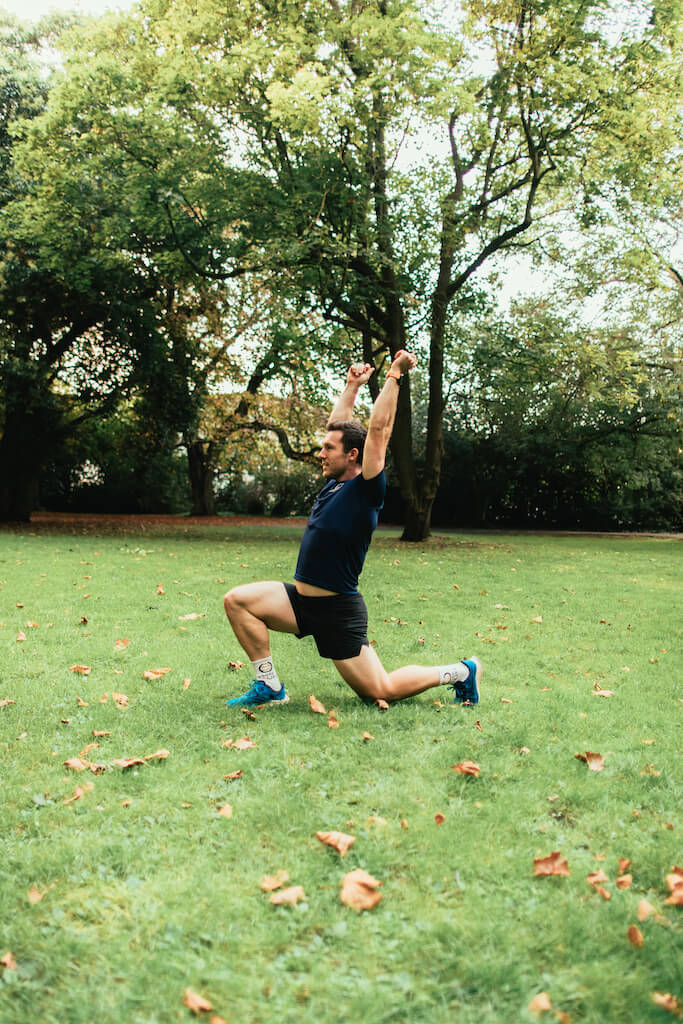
(395, 374)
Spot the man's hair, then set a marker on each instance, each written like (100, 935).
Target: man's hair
(353, 435)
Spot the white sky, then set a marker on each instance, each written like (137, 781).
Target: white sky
(32, 10)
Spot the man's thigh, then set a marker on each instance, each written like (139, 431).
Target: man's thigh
(365, 674)
(267, 601)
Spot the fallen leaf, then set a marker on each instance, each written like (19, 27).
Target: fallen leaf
(192, 615)
(35, 895)
(596, 877)
(467, 768)
(540, 1003)
(333, 722)
(233, 775)
(155, 673)
(650, 769)
(271, 882)
(315, 706)
(594, 761)
(624, 881)
(127, 762)
(195, 1002)
(666, 1001)
(79, 792)
(81, 703)
(100, 732)
(624, 865)
(20, 636)
(645, 909)
(439, 818)
(160, 589)
(382, 705)
(120, 699)
(505, 700)
(675, 884)
(599, 692)
(226, 811)
(603, 892)
(553, 864)
(76, 764)
(359, 891)
(88, 748)
(339, 841)
(248, 714)
(368, 736)
(158, 755)
(235, 666)
(186, 683)
(121, 645)
(288, 897)
(215, 1019)
(242, 744)
(635, 936)
(8, 962)
(539, 618)
(5, 703)
(83, 670)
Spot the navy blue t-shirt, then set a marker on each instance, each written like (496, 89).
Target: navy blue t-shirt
(338, 533)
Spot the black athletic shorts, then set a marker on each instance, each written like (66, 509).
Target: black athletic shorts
(338, 624)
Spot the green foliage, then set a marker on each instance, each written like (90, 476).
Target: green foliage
(147, 891)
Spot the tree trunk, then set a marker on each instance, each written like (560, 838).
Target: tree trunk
(19, 481)
(199, 460)
(418, 520)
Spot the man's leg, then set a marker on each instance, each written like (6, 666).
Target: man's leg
(253, 610)
(366, 675)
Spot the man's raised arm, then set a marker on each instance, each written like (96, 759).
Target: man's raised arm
(383, 415)
(359, 374)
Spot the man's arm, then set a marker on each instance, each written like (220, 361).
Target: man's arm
(359, 374)
(382, 416)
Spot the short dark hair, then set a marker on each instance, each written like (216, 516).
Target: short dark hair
(353, 435)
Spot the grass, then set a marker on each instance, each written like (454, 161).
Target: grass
(146, 890)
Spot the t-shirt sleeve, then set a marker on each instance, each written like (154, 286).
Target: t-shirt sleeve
(374, 490)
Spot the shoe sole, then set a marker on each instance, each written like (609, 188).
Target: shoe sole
(271, 703)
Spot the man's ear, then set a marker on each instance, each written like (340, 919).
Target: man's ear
(354, 452)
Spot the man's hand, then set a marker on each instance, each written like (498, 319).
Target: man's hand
(403, 361)
(359, 373)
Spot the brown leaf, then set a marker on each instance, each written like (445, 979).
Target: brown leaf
(88, 748)
(635, 936)
(504, 700)
(35, 895)
(235, 666)
(100, 732)
(598, 691)
(603, 892)
(5, 702)
(540, 1003)
(192, 615)
(367, 736)
(195, 1002)
(675, 884)
(624, 865)
(666, 1001)
(233, 775)
(339, 841)
(20, 636)
(8, 962)
(242, 744)
(160, 589)
(645, 909)
(439, 818)
(226, 811)
(76, 764)
(594, 761)
(186, 684)
(596, 877)
(120, 699)
(467, 768)
(155, 673)
(127, 762)
(81, 703)
(271, 882)
(382, 705)
(121, 645)
(158, 755)
(359, 891)
(32, 625)
(333, 721)
(650, 769)
(316, 707)
(79, 792)
(624, 881)
(553, 864)
(288, 897)
(83, 670)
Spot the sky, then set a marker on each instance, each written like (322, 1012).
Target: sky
(31, 10)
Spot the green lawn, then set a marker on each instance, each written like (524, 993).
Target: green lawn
(114, 903)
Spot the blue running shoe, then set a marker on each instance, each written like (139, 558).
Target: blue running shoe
(468, 692)
(257, 696)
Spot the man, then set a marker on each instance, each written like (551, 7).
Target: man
(324, 601)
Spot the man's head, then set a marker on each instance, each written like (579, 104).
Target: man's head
(341, 453)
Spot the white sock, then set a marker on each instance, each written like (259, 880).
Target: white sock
(453, 673)
(263, 670)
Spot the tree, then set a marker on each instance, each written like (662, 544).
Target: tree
(273, 141)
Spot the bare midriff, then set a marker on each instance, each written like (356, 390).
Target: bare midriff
(308, 590)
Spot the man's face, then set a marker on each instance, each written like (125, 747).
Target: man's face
(336, 464)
